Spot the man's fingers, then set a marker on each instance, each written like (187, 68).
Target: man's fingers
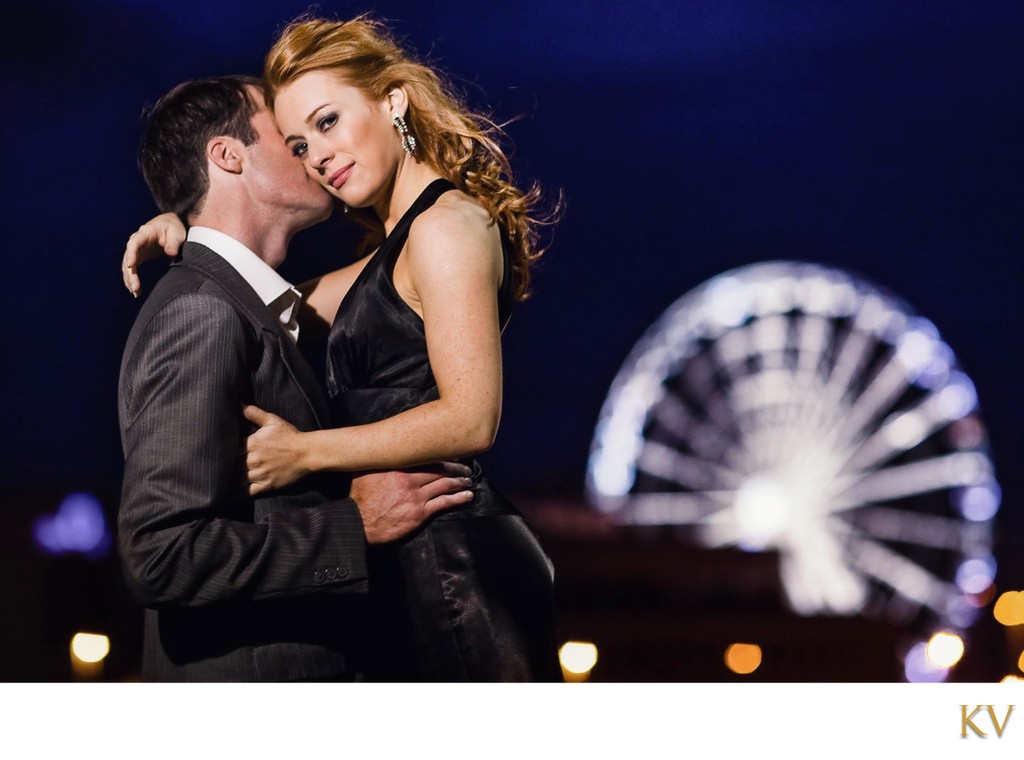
(442, 486)
(257, 482)
(445, 493)
(448, 500)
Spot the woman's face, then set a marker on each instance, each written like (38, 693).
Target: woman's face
(346, 141)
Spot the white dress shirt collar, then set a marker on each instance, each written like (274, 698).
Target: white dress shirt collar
(275, 291)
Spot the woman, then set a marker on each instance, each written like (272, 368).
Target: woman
(414, 356)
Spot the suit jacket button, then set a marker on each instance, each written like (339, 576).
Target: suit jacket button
(331, 573)
(318, 577)
(341, 571)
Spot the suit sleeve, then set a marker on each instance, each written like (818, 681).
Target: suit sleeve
(185, 531)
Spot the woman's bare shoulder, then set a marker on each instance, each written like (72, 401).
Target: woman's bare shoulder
(453, 217)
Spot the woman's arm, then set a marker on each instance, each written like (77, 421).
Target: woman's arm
(165, 234)
(162, 234)
(452, 272)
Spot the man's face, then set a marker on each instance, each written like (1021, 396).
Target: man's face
(278, 180)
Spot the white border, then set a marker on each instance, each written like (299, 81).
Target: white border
(492, 722)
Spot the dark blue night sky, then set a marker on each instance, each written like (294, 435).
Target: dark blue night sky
(689, 138)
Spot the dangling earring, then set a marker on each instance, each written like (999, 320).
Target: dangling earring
(408, 141)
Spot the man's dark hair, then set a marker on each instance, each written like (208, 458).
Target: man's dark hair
(172, 153)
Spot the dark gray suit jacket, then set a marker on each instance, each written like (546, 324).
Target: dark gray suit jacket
(270, 588)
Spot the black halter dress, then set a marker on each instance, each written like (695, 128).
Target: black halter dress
(469, 596)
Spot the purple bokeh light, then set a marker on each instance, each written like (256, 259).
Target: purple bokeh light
(77, 527)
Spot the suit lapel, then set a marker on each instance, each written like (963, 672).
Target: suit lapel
(202, 259)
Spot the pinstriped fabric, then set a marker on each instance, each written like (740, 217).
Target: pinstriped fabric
(235, 588)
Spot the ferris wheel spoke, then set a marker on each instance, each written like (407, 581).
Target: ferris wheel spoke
(813, 335)
(698, 374)
(770, 388)
(732, 349)
(775, 400)
(852, 356)
(904, 429)
(880, 394)
(707, 441)
(672, 508)
(901, 481)
(692, 473)
(700, 379)
(905, 577)
(782, 446)
(899, 433)
(768, 404)
(916, 528)
(770, 335)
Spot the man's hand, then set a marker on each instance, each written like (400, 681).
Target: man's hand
(394, 504)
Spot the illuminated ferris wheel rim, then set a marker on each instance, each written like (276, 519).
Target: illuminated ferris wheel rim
(720, 304)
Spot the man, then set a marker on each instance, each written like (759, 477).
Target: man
(238, 588)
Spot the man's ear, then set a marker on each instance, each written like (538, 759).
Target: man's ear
(398, 101)
(225, 153)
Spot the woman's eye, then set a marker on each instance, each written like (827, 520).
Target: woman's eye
(327, 122)
(299, 149)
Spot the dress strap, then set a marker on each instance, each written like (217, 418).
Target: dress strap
(425, 200)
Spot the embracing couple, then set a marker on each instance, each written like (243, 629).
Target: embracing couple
(276, 533)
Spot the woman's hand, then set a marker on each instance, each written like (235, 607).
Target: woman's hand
(161, 234)
(274, 453)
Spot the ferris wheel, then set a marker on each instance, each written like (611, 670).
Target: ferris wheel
(797, 408)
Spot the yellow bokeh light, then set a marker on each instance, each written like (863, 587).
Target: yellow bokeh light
(90, 647)
(1012, 679)
(1009, 608)
(743, 658)
(578, 657)
(1020, 661)
(945, 649)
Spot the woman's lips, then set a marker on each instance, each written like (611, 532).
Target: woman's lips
(340, 177)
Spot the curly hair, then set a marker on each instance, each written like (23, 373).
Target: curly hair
(462, 146)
